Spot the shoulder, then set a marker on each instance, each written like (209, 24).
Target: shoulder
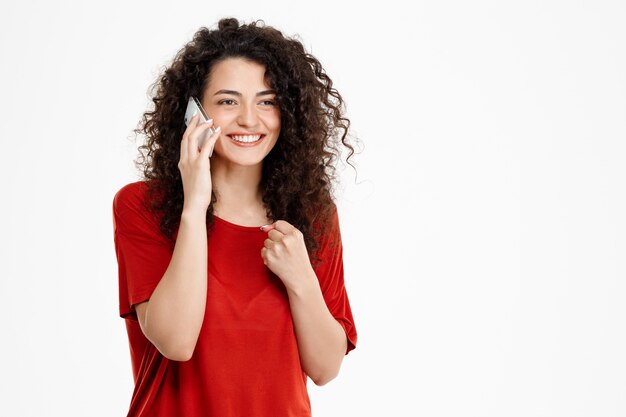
(327, 217)
(328, 220)
(129, 196)
(327, 229)
(131, 209)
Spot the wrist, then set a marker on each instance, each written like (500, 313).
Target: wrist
(193, 214)
(307, 284)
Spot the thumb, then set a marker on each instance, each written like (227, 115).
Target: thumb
(267, 227)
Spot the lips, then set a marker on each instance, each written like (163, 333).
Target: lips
(246, 139)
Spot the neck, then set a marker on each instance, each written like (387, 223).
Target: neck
(236, 186)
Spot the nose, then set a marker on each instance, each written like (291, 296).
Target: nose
(247, 115)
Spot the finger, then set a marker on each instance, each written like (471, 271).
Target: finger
(192, 142)
(183, 148)
(275, 235)
(195, 135)
(192, 125)
(201, 131)
(194, 120)
(269, 243)
(184, 143)
(283, 227)
(209, 144)
(267, 227)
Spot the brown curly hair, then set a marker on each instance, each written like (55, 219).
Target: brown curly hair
(298, 174)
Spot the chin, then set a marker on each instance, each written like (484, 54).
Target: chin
(245, 157)
(239, 160)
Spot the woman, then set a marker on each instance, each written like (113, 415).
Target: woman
(224, 317)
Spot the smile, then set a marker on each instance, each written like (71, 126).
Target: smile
(246, 140)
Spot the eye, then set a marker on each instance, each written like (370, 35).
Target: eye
(226, 101)
(268, 102)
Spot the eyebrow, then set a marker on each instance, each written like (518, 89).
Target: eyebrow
(237, 93)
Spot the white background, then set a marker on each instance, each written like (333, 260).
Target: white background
(484, 234)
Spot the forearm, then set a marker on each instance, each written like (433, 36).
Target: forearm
(321, 339)
(176, 309)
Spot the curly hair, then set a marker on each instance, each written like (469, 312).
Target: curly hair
(298, 174)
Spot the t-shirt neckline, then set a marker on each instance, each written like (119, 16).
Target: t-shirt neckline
(238, 226)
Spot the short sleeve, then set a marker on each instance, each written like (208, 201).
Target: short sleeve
(329, 272)
(143, 252)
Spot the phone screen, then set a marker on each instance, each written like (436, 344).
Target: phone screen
(194, 106)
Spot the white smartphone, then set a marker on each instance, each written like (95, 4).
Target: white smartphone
(193, 107)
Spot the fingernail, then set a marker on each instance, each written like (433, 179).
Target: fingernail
(209, 121)
(263, 227)
(217, 129)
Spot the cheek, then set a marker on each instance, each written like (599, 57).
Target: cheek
(220, 113)
(272, 121)
(219, 116)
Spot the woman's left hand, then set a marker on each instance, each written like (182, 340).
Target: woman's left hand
(285, 254)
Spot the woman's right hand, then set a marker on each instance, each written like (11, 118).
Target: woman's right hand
(195, 166)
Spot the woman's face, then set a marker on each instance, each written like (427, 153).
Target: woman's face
(240, 101)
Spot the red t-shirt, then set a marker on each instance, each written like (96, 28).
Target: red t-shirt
(246, 360)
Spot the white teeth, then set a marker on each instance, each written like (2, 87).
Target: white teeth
(246, 138)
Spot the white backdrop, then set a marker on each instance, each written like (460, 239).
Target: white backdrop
(484, 234)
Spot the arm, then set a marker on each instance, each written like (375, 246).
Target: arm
(173, 316)
(321, 339)
(316, 296)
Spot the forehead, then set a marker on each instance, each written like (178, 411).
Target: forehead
(237, 74)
